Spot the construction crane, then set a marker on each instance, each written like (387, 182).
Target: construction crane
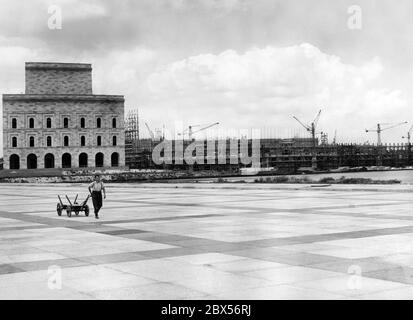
(191, 131)
(408, 135)
(150, 131)
(311, 127)
(380, 129)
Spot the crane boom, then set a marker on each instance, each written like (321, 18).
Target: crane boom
(395, 125)
(317, 117)
(191, 131)
(150, 131)
(207, 127)
(305, 126)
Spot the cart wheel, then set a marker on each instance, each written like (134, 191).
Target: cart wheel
(87, 211)
(69, 212)
(59, 209)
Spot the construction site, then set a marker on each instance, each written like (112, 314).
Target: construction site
(314, 153)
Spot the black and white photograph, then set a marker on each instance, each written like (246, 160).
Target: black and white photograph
(217, 151)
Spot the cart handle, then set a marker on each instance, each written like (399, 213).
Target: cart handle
(84, 202)
(69, 201)
(76, 198)
(60, 200)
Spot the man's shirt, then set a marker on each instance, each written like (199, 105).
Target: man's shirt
(96, 186)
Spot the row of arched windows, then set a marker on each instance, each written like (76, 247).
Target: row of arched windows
(66, 161)
(66, 141)
(65, 123)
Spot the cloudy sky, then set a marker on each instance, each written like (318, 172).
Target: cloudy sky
(244, 63)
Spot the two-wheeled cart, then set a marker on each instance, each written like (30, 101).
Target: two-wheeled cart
(72, 207)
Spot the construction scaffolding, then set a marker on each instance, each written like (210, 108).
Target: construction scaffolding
(132, 126)
(131, 136)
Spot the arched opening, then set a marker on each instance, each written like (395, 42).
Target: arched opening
(49, 141)
(99, 141)
(83, 160)
(114, 123)
(66, 122)
(114, 159)
(66, 141)
(14, 161)
(114, 141)
(99, 159)
(31, 161)
(82, 141)
(98, 122)
(49, 161)
(14, 123)
(82, 122)
(48, 122)
(31, 123)
(66, 160)
(31, 141)
(14, 142)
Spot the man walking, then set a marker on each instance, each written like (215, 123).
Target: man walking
(95, 189)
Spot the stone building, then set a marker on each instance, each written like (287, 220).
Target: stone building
(60, 123)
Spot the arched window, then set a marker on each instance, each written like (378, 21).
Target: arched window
(83, 160)
(14, 123)
(14, 161)
(49, 161)
(99, 141)
(66, 123)
(99, 159)
(31, 142)
(66, 160)
(82, 141)
(82, 122)
(14, 142)
(31, 123)
(98, 122)
(66, 141)
(49, 141)
(114, 159)
(114, 123)
(48, 123)
(31, 161)
(114, 141)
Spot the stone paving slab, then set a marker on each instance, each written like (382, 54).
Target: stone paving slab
(208, 241)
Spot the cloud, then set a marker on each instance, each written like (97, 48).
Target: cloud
(264, 87)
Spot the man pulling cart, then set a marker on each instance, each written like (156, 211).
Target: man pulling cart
(96, 188)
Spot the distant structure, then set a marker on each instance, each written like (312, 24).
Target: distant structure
(60, 123)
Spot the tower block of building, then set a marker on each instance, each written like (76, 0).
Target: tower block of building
(60, 123)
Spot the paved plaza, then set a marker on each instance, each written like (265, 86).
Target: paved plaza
(207, 241)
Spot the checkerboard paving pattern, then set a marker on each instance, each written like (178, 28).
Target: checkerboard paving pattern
(165, 241)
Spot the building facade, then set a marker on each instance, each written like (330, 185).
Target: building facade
(60, 123)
